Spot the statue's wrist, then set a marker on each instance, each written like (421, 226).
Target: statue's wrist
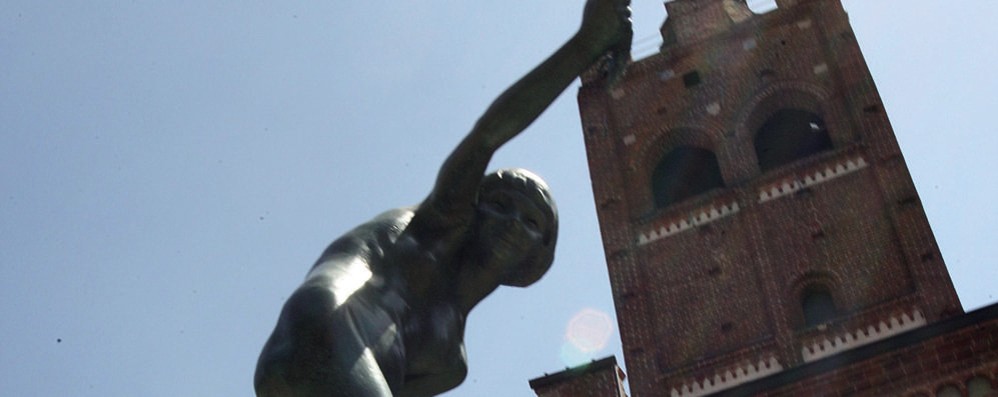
(586, 46)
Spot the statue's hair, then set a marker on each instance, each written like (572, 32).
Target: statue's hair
(534, 188)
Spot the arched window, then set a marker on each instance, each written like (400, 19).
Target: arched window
(685, 172)
(979, 386)
(949, 391)
(818, 306)
(788, 135)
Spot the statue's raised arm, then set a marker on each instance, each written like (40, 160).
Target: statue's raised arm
(382, 312)
(605, 29)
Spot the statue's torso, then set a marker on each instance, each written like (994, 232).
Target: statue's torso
(399, 294)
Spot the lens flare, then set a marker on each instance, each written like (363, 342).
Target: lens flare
(588, 332)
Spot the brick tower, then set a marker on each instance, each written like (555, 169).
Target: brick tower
(756, 211)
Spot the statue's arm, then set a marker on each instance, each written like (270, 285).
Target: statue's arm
(605, 27)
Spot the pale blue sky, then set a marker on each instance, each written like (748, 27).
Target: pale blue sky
(170, 170)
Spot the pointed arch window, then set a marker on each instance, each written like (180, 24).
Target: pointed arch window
(789, 135)
(685, 172)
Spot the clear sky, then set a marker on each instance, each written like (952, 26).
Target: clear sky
(169, 170)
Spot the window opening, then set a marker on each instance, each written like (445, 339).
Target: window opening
(684, 172)
(819, 308)
(691, 79)
(979, 386)
(789, 135)
(875, 108)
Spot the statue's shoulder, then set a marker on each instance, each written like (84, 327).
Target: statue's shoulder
(370, 239)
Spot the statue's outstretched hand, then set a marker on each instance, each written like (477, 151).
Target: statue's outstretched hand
(606, 29)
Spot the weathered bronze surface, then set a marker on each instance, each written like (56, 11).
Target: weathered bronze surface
(382, 312)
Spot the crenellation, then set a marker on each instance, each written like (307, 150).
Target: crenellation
(811, 178)
(695, 218)
(829, 345)
(730, 377)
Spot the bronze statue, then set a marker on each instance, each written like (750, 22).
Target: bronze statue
(382, 311)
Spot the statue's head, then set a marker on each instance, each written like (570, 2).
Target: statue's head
(521, 223)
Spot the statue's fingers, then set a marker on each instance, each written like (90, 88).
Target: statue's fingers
(620, 56)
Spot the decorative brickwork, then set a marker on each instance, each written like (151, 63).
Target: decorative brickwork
(828, 345)
(797, 183)
(729, 378)
(960, 352)
(700, 216)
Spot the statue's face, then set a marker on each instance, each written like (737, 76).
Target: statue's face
(511, 223)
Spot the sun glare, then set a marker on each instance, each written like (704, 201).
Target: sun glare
(587, 332)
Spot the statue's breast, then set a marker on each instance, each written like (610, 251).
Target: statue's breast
(434, 341)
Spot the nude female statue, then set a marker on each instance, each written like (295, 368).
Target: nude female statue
(382, 311)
